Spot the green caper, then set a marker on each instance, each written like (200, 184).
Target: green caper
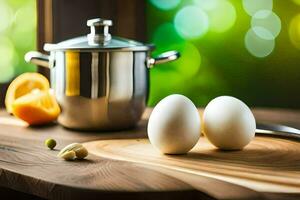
(50, 143)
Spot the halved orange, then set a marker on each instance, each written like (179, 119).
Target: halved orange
(23, 85)
(36, 108)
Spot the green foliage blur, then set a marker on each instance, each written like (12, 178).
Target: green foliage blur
(17, 36)
(221, 64)
(217, 63)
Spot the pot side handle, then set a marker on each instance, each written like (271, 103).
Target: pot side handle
(37, 58)
(163, 58)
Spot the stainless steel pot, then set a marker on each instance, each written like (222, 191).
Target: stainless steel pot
(101, 82)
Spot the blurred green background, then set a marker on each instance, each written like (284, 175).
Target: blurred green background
(17, 36)
(244, 48)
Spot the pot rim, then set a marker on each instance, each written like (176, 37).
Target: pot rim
(115, 44)
(53, 47)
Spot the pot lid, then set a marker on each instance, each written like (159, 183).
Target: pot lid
(99, 39)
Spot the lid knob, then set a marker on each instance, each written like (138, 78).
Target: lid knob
(99, 31)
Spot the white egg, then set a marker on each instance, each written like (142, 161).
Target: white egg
(174, 125)
(228, 123)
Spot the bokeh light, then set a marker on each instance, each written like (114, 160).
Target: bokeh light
(258, 46)
(6, 73)
(24, 24)
(266, 20)
(24, 20)
(222, 17)
(7, 49)
(263, 33)
(252, 6)
(191, 22)
(242, 59)
(206, 5)
(19, 29)
(294, 31)
(186, 66)
(175, 74)
(165, 4)
(6, 16)
(6, 62)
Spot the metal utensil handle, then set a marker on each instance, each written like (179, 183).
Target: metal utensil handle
(37, 58)
(278, 130)
(164, 58)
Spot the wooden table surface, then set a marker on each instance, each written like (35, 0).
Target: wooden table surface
(28, 167)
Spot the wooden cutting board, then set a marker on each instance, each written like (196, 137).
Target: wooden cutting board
(266, 165)
(123, 165)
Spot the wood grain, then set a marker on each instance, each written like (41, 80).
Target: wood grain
(27, 166)
(267, 164)
(33, 169)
